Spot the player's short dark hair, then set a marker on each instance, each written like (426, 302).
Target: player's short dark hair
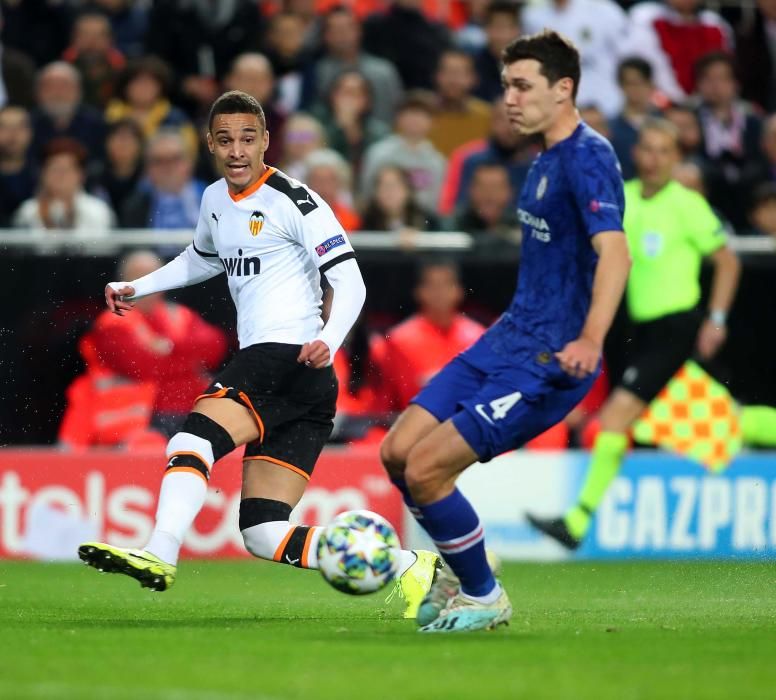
(236, 102)
(710, 59)
(557, 56)
(503, 7)
(636, 63)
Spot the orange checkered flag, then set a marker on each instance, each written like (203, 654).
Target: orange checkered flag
(695, 416)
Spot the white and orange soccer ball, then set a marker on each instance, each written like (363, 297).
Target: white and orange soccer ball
(358, 552)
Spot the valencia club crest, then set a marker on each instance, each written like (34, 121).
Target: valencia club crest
(256, 223)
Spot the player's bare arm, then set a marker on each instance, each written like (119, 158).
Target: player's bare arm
(713, 332)
(581, 356)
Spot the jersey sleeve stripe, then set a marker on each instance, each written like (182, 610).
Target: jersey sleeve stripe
(336, 261)
(203, 253)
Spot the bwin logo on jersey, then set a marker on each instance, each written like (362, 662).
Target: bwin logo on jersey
(256, 223)
(240, 266)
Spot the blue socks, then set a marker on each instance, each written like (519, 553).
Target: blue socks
(400, 484)
(456, 530)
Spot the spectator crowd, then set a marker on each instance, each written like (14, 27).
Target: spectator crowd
(389, 109)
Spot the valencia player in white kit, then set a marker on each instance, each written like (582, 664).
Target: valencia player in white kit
(274, 238)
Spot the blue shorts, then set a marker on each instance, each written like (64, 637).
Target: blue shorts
(496, 405)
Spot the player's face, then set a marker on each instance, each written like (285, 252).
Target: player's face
(656, 155)
(238, 142)
(533, 105)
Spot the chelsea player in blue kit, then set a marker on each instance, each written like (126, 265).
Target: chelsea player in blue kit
(541, 357)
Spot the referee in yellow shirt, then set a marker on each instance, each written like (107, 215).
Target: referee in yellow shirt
(670, 230)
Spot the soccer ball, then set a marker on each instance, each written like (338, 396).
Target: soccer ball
(358, 552)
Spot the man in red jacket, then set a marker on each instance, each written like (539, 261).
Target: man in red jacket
(163, 344)
(417, 348)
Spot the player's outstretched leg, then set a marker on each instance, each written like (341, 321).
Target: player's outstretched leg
(268, 534)
(471, 598)
(465, 594)
(191, 454)
(415, 583)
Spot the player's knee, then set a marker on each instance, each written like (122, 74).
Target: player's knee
(422, 474)
(393, 456)
(199, 445)
(263, 522)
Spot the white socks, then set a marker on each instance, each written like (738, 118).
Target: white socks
(282, 542)
(491, 597)
(180, 499)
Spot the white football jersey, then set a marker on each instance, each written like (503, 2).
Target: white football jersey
(274, 241)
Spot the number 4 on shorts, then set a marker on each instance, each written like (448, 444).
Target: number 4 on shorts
(502, 405)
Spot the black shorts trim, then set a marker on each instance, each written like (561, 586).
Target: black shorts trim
(229, 392)
(336, 261)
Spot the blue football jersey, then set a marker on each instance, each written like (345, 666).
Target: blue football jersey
(573, 191)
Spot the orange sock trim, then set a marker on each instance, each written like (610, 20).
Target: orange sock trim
(191, 470)
(307, 541)
(279, 551)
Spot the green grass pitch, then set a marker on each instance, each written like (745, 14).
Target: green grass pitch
(250, 630)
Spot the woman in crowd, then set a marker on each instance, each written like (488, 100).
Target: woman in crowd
(61, 202)
(393, 206)
(142, 94)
